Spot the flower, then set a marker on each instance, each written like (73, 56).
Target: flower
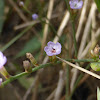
(34, 16)
(76, 4)
(21, 3)
(0, 81)
(52, 48)
(3, 60)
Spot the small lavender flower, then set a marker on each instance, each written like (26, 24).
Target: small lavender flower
(0, 81)
(34, 16)
(21, 3)
(76, 4)
(3, 60)
(52, 48)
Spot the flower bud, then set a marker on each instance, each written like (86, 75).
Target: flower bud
(96, 50)
(0, 81)
(27, 66)
(32, 59)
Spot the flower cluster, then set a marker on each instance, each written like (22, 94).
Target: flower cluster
(52, 48)
(76, 4)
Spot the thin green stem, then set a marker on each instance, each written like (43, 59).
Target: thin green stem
(75, 43)
(73, 28)
(12, 78)
(82, 60)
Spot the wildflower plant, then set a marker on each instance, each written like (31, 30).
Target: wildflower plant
(53, 50)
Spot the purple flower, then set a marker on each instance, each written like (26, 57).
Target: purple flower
(34, 16)
(3, 60)
(0, 81)
(21, 3)
(52, 48)
(76, 4)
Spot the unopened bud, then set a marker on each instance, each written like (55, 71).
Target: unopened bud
(32, 59)
(27, 66)
(92, 53)
(0, 81)
(96, 50)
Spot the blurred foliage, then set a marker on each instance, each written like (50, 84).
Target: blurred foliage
(1, 14)
(31, 46)
(98, 4)
(25, 82)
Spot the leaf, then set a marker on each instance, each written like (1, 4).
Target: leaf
(31, 46)
(1, 14)
(98, 93)
(98, 4)
(95, 66)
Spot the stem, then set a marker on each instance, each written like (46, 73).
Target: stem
(80, 68)
(82, 60)
(75, 44)
(12, 78)
(73, 27)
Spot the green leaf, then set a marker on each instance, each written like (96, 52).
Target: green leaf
(95, 66)
(31, 46)
(98, 4)
(98, 93)
(1, 14)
